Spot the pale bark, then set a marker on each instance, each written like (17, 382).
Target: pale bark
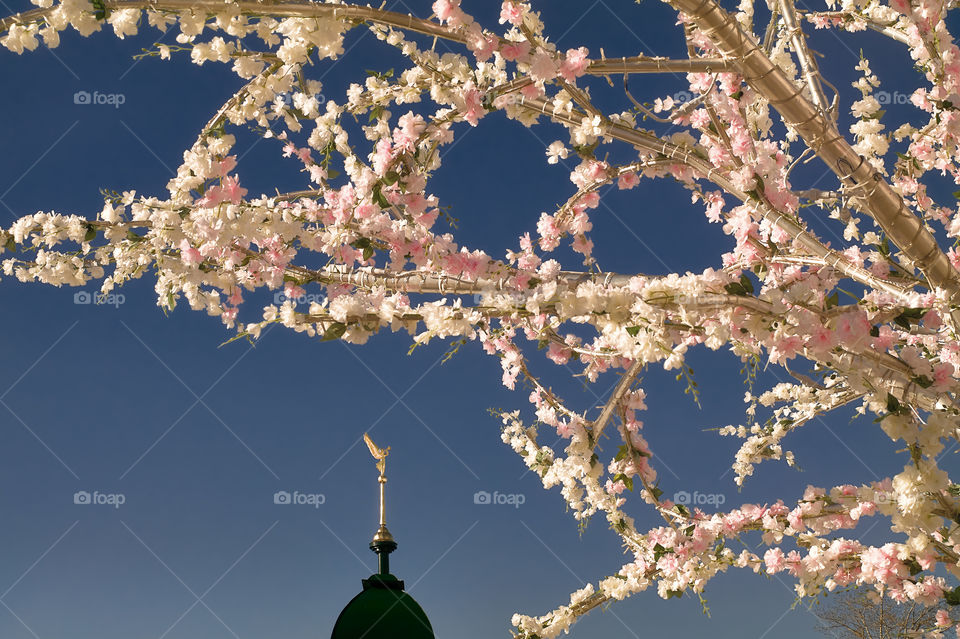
(808, 65)
(903, 228)
(644, 64)
(802, 239)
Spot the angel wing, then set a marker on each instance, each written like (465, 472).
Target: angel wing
(376, 451)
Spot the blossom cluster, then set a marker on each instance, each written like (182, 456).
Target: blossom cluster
(393, 260)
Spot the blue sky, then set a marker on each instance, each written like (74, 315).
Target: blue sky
(197, 438)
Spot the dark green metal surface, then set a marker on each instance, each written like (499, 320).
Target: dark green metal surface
(382, 611)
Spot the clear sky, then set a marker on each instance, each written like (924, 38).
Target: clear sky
(120, 400)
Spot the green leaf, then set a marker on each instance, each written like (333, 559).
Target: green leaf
(659, 551)
(893, 404)
(379, 198)
(747, 284)
(11, 245)
(884, 247)
(909, 315)
(586, 150)
(952, 597)
(633, 331)
(621, 453)
(735, 288)
(100, 9)
(914, 567)
(875, 331)
(334, 331)
(90, 235)
(923, 381)
(391, 178)
(383, 75)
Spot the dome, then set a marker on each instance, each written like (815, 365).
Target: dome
(382, 611)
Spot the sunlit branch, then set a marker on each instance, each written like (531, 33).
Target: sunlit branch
(858, 176)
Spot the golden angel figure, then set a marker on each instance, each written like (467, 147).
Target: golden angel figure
(378, 453)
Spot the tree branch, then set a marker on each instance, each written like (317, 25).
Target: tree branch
(821, 135)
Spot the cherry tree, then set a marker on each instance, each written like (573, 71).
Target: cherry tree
(871, 323)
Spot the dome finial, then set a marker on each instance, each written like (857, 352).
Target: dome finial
(383, 543)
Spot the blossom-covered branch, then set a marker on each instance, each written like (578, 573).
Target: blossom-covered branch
(363, 244)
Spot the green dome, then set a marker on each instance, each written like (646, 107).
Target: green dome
(382, 611)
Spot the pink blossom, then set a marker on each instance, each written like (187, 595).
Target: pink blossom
(472, 105)
(542, 66)
(583, 245)
(549, 233)
(292, 291)
(515, 50)
(885, 339)
(189, 254)
(575, 64)
(448, 11)
(881, 565)
(591, 200)
(383, 156)
(943, 619)
(317, 173)
(615, 487)
(226, 165)
(411, 127)
(483, 45)
(785, 348)
(529, 91)
(558, 354)
(901, 6)
(232, 190)
(668, 564)
(852, 328)
(628, 180)
(212, 197)
(511, 12)
(931, 319)
(943, 376)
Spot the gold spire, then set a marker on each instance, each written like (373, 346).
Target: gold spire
(380, 455)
